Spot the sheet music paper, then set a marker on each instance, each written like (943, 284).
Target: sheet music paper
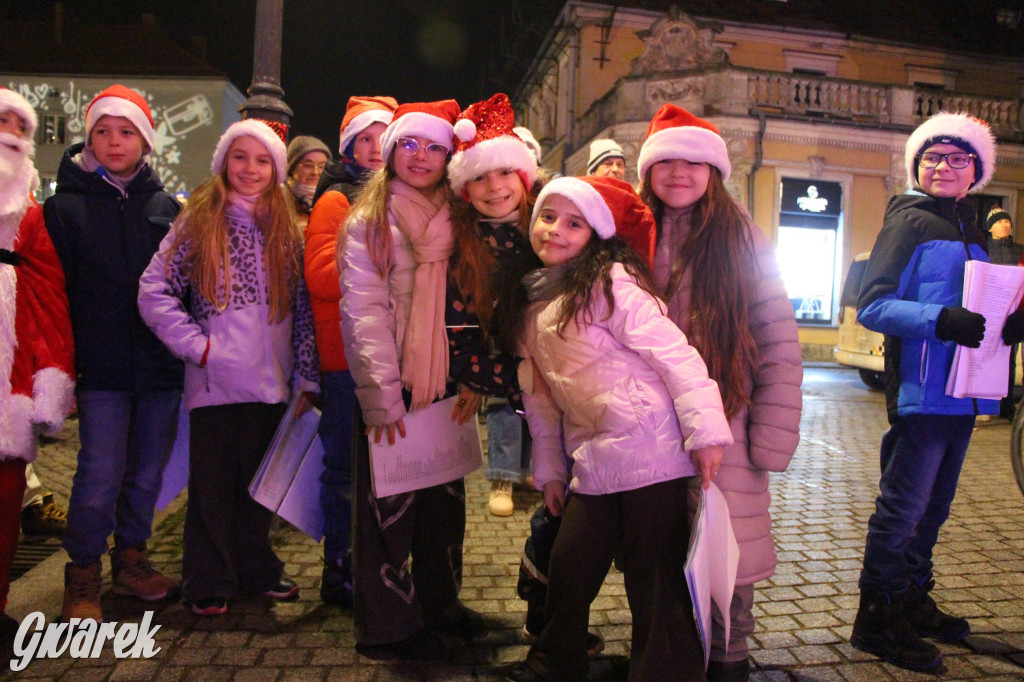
(994, 291)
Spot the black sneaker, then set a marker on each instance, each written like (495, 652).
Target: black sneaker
(336, 583)
(284, 590)
(461, 621)
(732, 671)
(43, 520)
(209, 606)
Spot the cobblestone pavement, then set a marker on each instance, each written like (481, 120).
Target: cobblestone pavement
(804, 613)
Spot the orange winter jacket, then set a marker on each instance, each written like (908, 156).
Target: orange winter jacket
(322, 232)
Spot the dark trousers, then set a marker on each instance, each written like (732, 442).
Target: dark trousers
(648, 530)
(335, 430)
(921, 459)
(12, 489)
(227, 533)
(406, 553)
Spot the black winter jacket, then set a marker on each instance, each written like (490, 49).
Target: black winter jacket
(104, 241)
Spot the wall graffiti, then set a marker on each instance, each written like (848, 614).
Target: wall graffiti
(172, 122)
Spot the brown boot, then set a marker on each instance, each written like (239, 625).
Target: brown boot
(134, 575)
(82, 592)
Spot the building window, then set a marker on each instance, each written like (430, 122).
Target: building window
(807, 248)
(53, 129)
(1009, 17)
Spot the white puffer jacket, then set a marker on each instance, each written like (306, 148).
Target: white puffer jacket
(627, 393)
(374, 315)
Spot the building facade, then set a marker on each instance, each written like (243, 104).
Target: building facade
(814, 115)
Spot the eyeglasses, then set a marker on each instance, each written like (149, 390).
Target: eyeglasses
(312, 166)
(435, 150)
(956, 160)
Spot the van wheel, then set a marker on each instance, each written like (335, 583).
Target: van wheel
(872, 379)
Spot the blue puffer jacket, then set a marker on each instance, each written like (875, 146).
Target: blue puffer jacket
(916, 269)
(104, 240)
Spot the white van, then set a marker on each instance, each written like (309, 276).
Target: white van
(858, 346)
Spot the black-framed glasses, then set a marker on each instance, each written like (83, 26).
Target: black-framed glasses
(956, 160)
(435, 150)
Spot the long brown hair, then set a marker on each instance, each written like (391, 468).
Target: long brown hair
(473, 265)
(586, 271)
(203, 225)
(372, 208)
(719, 254)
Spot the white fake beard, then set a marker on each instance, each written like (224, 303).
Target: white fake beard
(18, 176)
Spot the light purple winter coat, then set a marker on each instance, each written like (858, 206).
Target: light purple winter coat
(625, 396)
(250, 359)
(374, 315)
(765, 434)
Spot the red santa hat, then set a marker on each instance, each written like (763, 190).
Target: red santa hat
(361, 113)
(611, 206)
(961, 130)
(431, 120)
(12, 101)
(117, 100)
(485, 141)
(262, 131)
(675, 133)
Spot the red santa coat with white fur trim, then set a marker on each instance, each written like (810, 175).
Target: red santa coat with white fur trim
(36, 348)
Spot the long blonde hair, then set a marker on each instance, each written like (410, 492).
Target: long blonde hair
(203, 226)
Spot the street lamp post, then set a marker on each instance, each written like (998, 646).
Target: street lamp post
(265, 93)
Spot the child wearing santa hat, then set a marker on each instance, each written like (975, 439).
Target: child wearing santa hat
(493, 173)
(393, 263)
(225, 293)
(743, 325)
(36, 352)
(912, 292)
(598, 350)
(365, 119)
(107, 218)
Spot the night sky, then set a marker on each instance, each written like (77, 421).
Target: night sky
(332, 49)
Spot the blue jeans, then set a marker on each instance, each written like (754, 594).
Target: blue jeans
(126, 438)
(921, 459)
(508, 445)
(336, 481)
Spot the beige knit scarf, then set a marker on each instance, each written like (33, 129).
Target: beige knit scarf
(426, 224)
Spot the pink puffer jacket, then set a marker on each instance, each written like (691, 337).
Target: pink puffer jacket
(626, 393)
(765, 434)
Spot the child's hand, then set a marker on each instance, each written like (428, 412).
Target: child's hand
(554, 497)
(378, 431)
(708, 460)
(466, 406)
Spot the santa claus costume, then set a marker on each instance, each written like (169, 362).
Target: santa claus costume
(36, 363)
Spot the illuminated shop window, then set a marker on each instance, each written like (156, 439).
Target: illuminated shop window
(807, 248)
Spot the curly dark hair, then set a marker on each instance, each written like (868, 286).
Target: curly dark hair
(592, 266)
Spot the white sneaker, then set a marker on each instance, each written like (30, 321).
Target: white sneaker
(501, 503)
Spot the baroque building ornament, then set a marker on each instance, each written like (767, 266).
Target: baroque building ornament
(675, 42)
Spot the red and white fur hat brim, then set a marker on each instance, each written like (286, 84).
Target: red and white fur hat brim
(695, 144)
(587, 199)
(497, 152)
(12, 101)
(262, 132)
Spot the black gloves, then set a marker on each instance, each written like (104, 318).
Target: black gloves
(1013, 328)
(960, 326)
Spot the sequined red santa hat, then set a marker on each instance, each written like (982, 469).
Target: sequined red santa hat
(118, 100)
(961, 130)
(485, 141)
(611, 207)
(260, 130)
(12, 101)
(675, 133)
(361, 112)
(430, 120)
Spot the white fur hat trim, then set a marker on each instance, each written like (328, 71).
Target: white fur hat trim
(954, 126)
(587, 199)
(498, 152)
(262, 132)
